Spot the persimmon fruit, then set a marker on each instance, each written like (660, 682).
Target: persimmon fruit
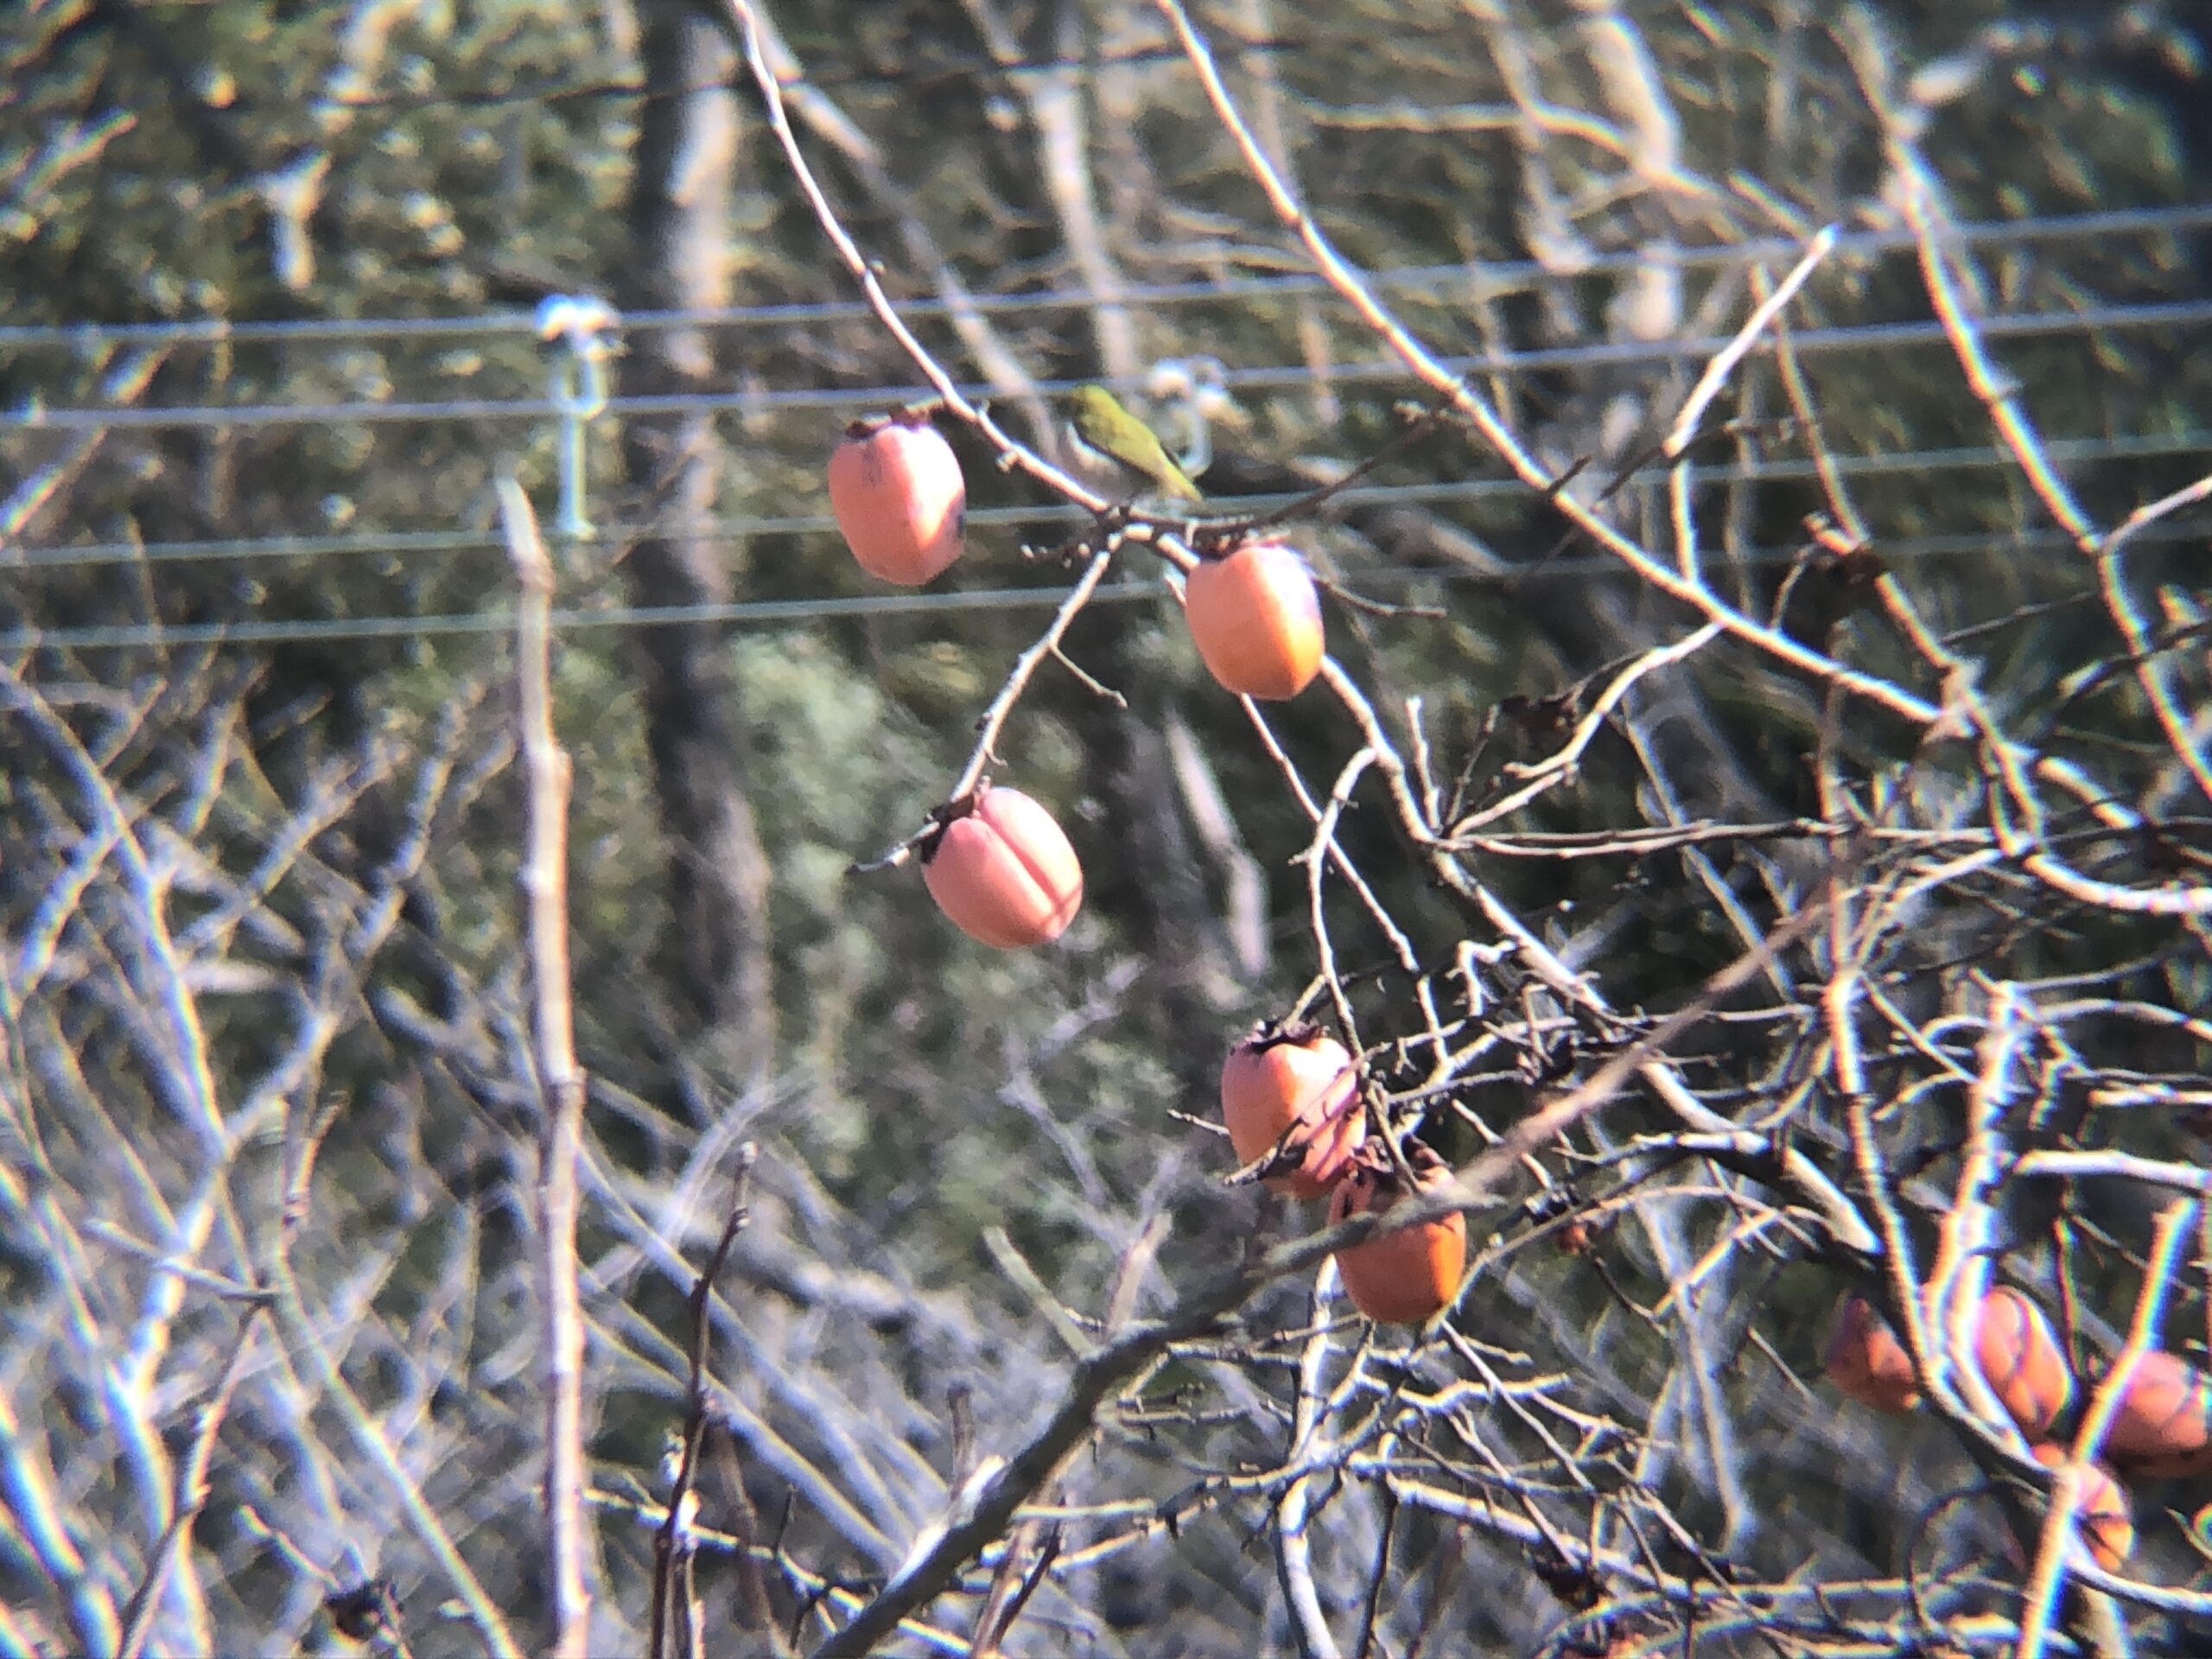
(1409, 1275)
(899, 497)
(1255, 618)
(1295, 1081)
(1003, 871)
(2163, 1425)
(2021, 1359)
(1865, 1359)
(2101, 1517)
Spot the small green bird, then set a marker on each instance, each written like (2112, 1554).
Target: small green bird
(1120, 452)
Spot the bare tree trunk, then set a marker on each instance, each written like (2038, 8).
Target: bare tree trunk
(687, 150)
(1193, 981)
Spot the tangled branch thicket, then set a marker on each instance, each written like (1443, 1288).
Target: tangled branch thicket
(1764, 874)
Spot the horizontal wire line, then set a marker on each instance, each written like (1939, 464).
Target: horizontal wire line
(2075, 452)
(749, 613)
(1807, 342)
(766, 612)
(1486, 277)
(616, 87)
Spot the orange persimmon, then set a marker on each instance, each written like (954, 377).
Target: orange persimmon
(2026, 1367)
(1409, 1275)
(2101, 1517)
(1003, 871)
(1865, 1359)
(897, 494)
(1299, 1081)
(1256, 620)
(2163, 1425)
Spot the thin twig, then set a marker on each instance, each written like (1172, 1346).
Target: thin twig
(1725, 360)
(561, 1082)
(191, 1492)
(2039, 1601)
(668, 1545)
(994, 719)
(1294, 1513)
